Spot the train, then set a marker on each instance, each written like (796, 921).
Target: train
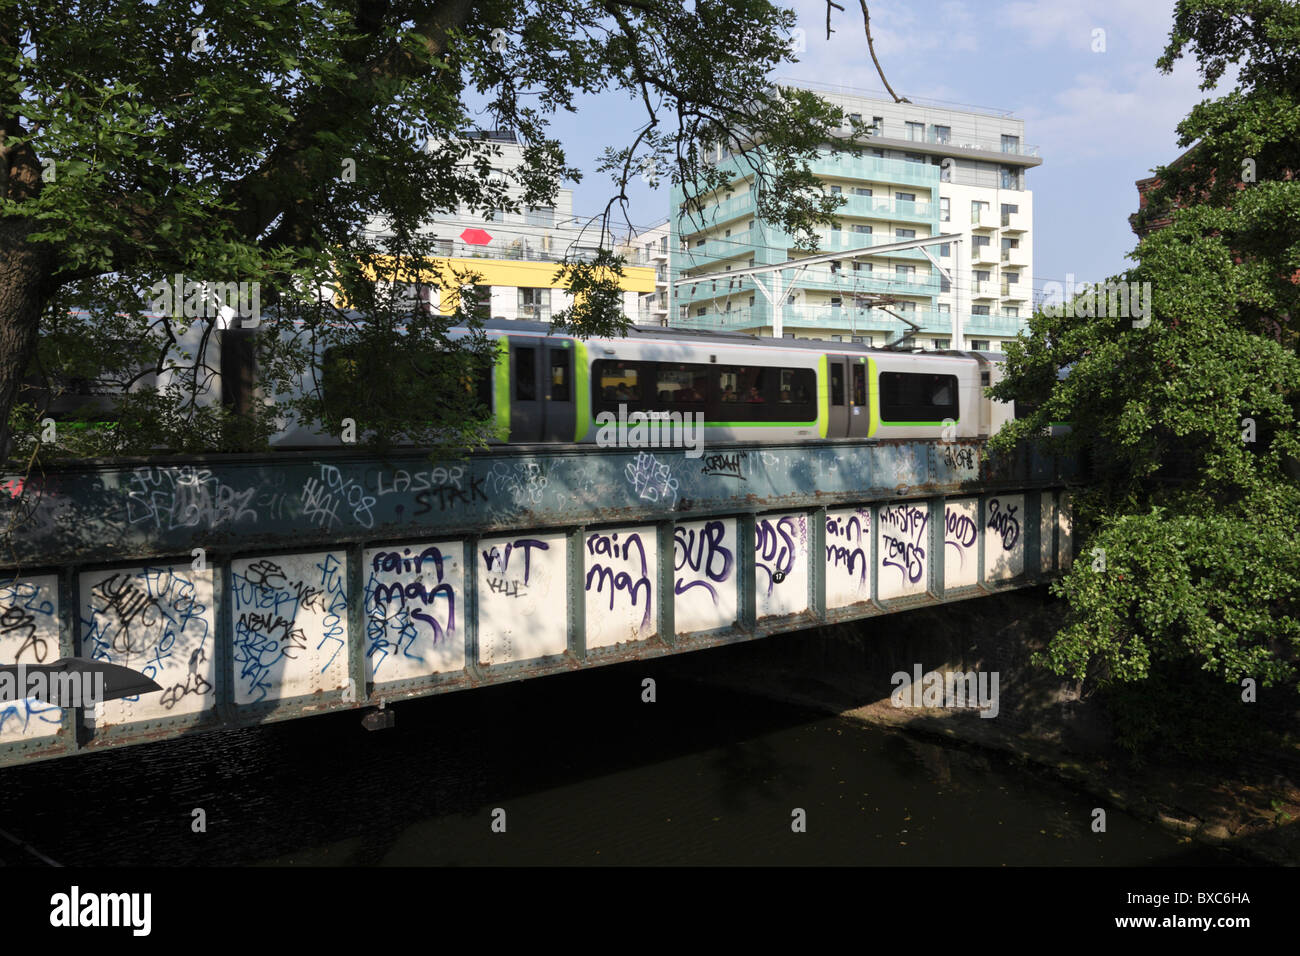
(548, 387)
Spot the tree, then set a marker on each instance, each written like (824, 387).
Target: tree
(254, 143)
(1190, 527)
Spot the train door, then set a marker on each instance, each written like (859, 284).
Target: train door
(542, 398)
(838, 405)
(558, 384)
(859, 413)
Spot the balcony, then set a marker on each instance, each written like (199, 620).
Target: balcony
(1013, 290)
(984, 145)
(1006, 325)
(1015, 258)
(1015, 222)
(716, 214)
(881, 207)
(718, 249)
(983, 289)
(875, 169)
(984, 253)
(983, 220)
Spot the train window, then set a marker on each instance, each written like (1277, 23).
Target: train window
(859, 384)
(794, 387)
(618, 382)
(559, 375)
(837, 383)
(682, 384)
(525, 375)
(483, 388)
(911, 397)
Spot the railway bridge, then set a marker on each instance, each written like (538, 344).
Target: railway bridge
(270, 587)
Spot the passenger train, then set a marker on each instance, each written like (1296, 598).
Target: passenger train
(548, 387)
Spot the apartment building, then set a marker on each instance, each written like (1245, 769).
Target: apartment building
(925, 169)
(515, 253)
(652, 248)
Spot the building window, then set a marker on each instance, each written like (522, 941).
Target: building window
(836, 302)
(916, 132)
(540, 216)
(535, 304)
(1011, 277)
(699, 243)
(905, 197)
(861, 229)
(942, 343)
(904, 233)
(856, 117)
(913, 158)
(836, 190)
(837, 338)
(944, 285)
(787, 335)
(1010, 144)
(877, 126)
(982, 275)
(701, 311)
(835, 266)
(979, 345)
(979, 310)
(1011, 311)
(751, 301)
(945, 209)
(942, 134)
(1008, 210)
(904, 271)
(862, 267)
(878, 153)
(945, 250)
(861, 191)
(944, 309)
(977, 209)
(1010, 178)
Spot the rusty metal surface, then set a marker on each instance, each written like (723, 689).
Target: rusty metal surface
(131, 511)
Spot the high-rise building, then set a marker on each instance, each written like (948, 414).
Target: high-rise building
(923, 170)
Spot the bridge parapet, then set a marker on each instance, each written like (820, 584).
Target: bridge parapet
(272, 587)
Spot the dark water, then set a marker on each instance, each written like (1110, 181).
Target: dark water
(585, 772)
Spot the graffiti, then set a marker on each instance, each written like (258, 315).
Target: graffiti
(497, 561)
(20, 606)
(1003, 520)
(703, 552)
(431, 480)
(630, 583)
(961, 456)
(336, 608)
(186, 497)
(155, 612)
(960, 532)
(322, 498)
(399, 613)
(268, 600)
(652, 479)
(902, 548)
(17, 716)
(725, 466)
(775, 549)
(194, 683)
(849, 554)
(524, 482)
(445, 496)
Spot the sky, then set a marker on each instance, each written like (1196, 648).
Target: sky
(1102, 118)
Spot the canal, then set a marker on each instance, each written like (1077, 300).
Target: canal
(585, 772)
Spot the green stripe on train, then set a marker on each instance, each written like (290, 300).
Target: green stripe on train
(583, 386)
(501, 389)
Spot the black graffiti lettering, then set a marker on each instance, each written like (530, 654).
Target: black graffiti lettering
(1002, 519)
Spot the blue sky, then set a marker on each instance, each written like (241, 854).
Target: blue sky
(1101, 119)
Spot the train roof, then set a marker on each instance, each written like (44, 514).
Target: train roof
(651, 332)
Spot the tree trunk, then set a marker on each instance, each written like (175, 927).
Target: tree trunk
(25, 287)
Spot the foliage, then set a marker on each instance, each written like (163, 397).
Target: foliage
(300, 145)
(1190, 423)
